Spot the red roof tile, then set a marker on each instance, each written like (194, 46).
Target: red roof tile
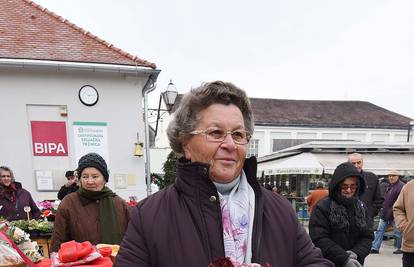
(29, 31)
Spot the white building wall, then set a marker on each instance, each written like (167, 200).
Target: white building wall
(119, 105)
(359, 134)
(266, 134)
(158, 158)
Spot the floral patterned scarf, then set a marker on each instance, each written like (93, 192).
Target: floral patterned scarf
(237, 211)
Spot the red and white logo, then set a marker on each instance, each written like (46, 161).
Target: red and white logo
(49, 138)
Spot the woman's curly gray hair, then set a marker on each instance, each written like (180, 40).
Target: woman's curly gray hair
(186, 117)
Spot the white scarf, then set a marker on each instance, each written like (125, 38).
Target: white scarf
(237, 211)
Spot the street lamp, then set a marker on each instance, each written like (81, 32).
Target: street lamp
(169, 97)
(410, 129)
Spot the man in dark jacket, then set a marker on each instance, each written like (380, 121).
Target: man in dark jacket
(72, 185)
(373, 197)
(337, 224)
(391, 194)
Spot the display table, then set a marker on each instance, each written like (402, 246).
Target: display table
(43, 241)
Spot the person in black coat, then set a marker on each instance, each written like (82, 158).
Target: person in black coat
(373, 197)
(71, 186)
(338, 224)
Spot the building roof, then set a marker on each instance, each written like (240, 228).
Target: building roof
(321, 113)
(29, 31)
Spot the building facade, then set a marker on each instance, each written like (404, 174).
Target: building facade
(65, 93)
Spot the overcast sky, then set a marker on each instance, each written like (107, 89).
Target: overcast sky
(292, 49)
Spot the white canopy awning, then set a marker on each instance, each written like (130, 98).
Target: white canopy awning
(304, 163)
(317, 163)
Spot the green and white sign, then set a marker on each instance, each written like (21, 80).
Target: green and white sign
(90, 137)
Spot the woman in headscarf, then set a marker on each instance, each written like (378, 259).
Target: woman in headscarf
(216, 208)
(94, 213)
(14, 198)
(338, 224)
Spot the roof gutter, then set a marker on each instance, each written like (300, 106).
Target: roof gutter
(80, 66)
(148, 88)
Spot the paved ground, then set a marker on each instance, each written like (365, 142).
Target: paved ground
(385, 258)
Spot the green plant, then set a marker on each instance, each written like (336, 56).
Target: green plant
(38, 225)
(169, 172)
(157, 179)
(170, 169)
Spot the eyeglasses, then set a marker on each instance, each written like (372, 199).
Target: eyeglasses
(346, 187)
(217, 135)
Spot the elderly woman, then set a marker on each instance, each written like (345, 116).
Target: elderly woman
(338, 224)
(13, 198)
(93, 213)
(216, 208)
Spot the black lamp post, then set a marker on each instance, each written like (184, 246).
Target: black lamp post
(410, 129)
(169, 97)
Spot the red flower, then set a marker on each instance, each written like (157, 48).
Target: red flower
(46, 213)
(226, 262)
(221, 262)
(132, 203)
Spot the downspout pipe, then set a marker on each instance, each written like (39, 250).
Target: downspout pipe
(148, 88)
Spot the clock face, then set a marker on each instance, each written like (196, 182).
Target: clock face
(88, 95)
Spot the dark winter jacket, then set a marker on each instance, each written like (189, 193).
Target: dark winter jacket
(338, 224)
(182, 226)
(391, 194)
(64, 190)
(15, 211)
(372, 197)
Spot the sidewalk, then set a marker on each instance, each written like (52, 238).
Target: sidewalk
(385, 258)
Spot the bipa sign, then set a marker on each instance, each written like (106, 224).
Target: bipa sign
(49, 138)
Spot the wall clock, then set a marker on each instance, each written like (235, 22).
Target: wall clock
(88, 95)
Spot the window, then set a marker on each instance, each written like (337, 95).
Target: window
(279, 144)
(253, 148)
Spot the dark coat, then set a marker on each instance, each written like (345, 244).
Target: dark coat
(182, 226)
(391, 194)
(372, 197)
(15, 211)
(64, 190)
(78, 219)
(333, 239)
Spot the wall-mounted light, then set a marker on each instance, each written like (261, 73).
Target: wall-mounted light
(138, 148)
(169, 97)
(63, 111)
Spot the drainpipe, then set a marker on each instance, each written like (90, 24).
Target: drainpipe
(149, 87)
